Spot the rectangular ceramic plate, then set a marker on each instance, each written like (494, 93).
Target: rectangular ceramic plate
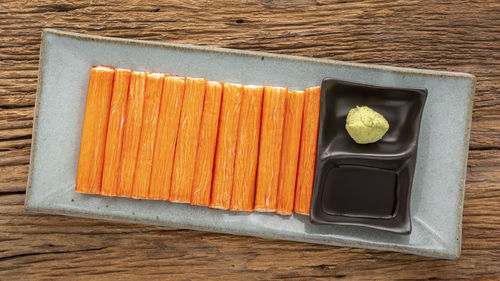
(438, 187)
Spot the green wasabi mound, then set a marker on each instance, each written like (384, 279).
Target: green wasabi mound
(365, 125)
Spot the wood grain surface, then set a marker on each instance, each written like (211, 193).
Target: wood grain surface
(455, 36)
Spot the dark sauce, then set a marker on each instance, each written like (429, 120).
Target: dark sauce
(360, 192)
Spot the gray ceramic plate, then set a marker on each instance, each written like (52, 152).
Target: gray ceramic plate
(438, 187)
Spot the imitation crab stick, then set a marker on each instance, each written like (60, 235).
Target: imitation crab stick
(271, 136)
(226, 146)
(247, 150)
(202, 183)
(166, 137)
(187, 140)
(132, 132)
(290, 152)
(114, 136)
(307, 154)
(152, 99)
(95, 124)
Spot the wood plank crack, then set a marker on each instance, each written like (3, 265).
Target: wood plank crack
(49, 253)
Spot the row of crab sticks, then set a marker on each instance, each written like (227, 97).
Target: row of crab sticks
(221, 145)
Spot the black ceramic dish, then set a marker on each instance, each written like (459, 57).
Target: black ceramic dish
(366, 184)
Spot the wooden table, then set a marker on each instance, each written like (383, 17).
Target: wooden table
(442, 36)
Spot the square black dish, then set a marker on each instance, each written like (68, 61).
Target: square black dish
(366, 184)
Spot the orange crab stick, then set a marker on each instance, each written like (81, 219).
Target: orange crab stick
(226, 146)
(202, 183)
(187, 140)
(95, 124)
(132, 132)
(114, 136)
(290, 152)
(247, 150)
(166, 137)
(152, 99)
(273, 115)
(307, 154)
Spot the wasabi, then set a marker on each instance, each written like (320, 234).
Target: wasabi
(365, 125)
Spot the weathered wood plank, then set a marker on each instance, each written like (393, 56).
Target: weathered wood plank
(454, 36)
